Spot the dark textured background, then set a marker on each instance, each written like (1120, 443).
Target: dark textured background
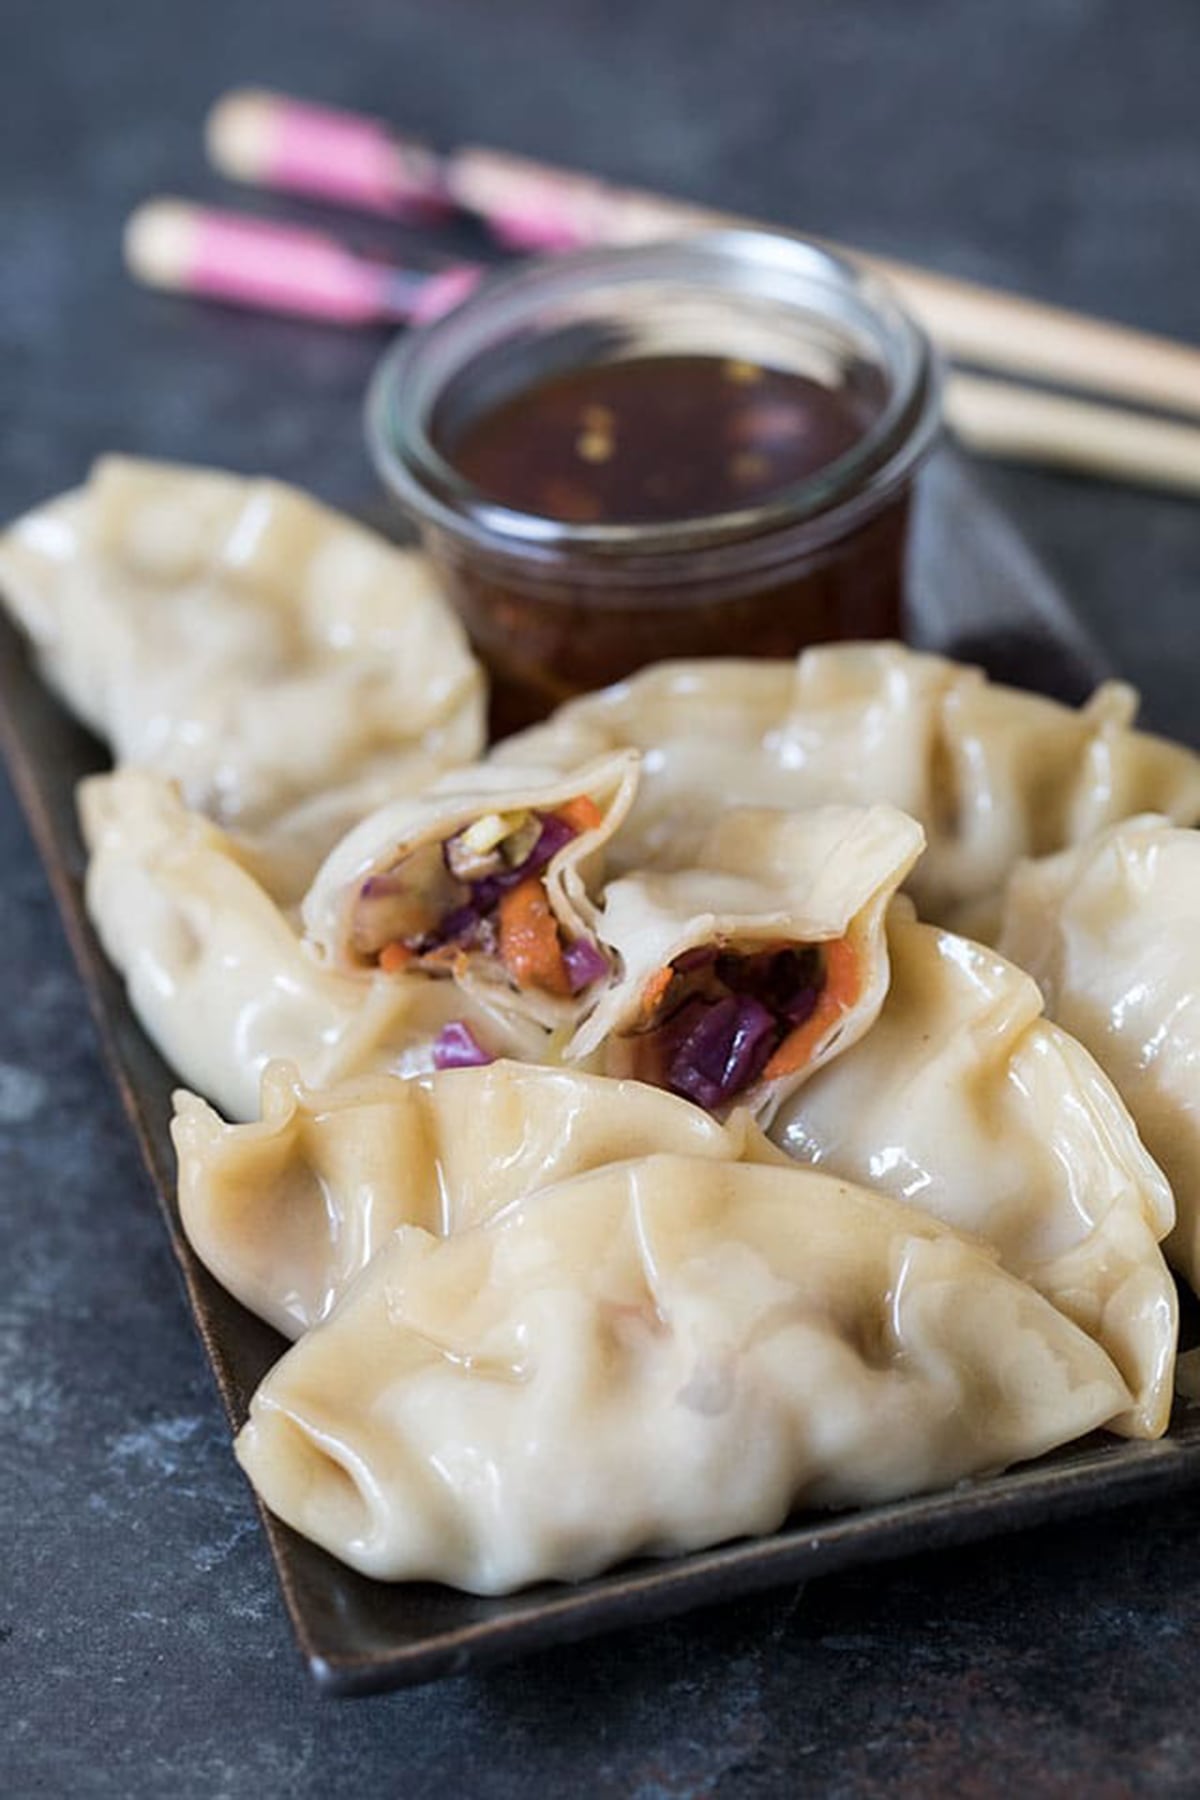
(1050, 145)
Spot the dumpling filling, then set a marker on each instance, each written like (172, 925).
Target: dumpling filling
(715, 1021)
(482, 892)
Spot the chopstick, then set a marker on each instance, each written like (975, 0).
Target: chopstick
(1011, 423)
(1011, 335)
(215, 254)
(1005, 334)
(971, 323)
(275, 141)
(218, 255)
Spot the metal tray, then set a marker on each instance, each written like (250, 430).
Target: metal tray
(360, 1636)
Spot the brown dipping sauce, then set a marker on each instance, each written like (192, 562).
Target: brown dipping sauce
(631, 455)
(659, 438)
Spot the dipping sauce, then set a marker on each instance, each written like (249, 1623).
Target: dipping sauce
(689, 449)
(660, 437)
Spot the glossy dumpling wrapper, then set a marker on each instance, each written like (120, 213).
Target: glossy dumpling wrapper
(1111, 933)
(848, 725)
(286, 1211)
(652, 1358)
(484, 880)
(1029, 777)
(965, 1101)
(217, 974)
(286, 852)
(741, 976)
(991, 772)
(241, 638)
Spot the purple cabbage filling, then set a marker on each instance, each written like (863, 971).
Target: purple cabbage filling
(455, 926)
(585, 963)
(377, 887)
(699, 958)
(555, 832)
(457, 1047)
(468, 924)
(714, 1045)
(789, 981)
(724, 1051)
(484, 896)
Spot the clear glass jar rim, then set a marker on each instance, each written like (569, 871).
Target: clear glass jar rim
(822, 509)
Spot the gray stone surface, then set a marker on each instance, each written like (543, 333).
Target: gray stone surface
(1047, 144)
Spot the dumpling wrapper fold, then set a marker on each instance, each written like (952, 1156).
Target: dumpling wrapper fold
(400, 846)
(965, 1101)
(217, 974)
(652, 1358)
(1111, 933)
(286, 1211)
(765, 880)
(992, 773)
(256, 646)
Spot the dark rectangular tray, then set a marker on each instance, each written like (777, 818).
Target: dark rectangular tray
(360, 1636)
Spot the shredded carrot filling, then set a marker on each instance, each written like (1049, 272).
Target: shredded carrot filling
(529, 943)
(581, 814)
(395, 956)
(487, 916)
(842, 986)
(654, 991)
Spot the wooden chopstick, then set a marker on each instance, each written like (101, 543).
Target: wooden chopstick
(971, 323)
(532, 205)
(1013, 423)
(1011, 335)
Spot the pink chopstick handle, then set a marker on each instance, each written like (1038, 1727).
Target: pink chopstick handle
(351, 161)
(441, 291)
(279, 268)
(273, 141)
(530, 206)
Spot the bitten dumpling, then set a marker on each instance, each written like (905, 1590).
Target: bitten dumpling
(483, 881)
(218, 976)
(652, 1358)
(991, 772)
(965, 1101)
(245, 640)
(285, 1212)
(1111, 933)
(741, 976)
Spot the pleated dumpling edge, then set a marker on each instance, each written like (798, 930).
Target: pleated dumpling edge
(651, 1358)
(287, 1210)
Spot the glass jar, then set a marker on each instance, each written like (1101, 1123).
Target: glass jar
(555, 606)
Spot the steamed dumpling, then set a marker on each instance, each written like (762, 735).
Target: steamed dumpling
(651, 1358)
(243, 639)
(285, 1212)
(741, 976)
(1111, 933)
(218, 976)
(991, 772)
(482, 881)
(965, 1101)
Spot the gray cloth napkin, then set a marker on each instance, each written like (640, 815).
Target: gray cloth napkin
(977, 591)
